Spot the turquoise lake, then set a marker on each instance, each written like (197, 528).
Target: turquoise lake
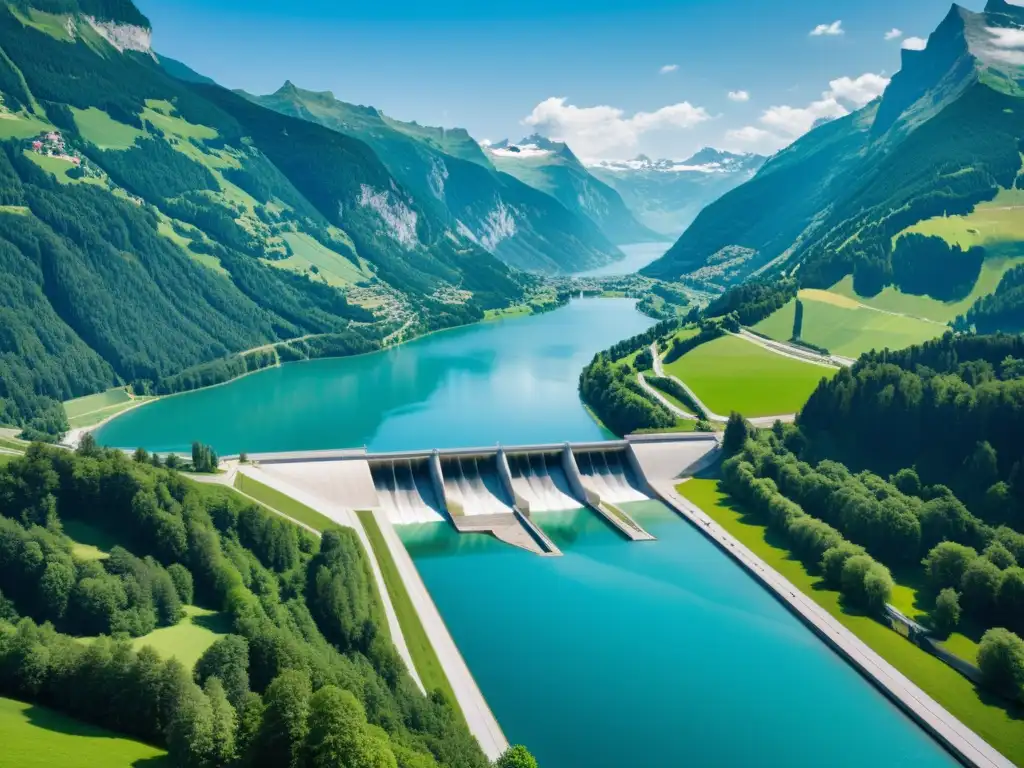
(651, 655)
(617, 655)
(511, 381)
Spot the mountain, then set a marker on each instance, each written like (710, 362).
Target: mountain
(551, 167)
(667, 195)
(944, 137)
(454, 180)
(152, 228)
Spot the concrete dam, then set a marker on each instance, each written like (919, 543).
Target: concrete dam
(494, 490)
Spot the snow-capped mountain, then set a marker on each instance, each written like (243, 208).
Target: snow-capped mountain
(667, 195)
(551, 167)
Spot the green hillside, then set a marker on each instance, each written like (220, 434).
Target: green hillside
(152, 228)
(904, 196)
(450, 176)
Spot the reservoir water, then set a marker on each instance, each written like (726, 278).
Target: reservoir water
(511, 381)
(617, 655)
(654, 655)
(638, 256)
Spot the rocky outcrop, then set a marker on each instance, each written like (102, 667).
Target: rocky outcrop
(124, 37)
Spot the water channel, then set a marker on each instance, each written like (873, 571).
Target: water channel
(617, 654)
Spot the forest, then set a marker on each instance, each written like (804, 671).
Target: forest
(957, 406)
(308, 675)
(1002, 310)
(854, 528)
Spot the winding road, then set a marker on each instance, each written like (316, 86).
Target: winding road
(759, 421)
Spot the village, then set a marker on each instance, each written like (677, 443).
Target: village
(52, 145)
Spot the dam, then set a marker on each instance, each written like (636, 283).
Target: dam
(495, 490)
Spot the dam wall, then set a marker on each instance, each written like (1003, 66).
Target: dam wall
(496, 489)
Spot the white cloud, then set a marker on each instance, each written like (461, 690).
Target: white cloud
(603, 131)
(739, 96)
(668, 68)
(796, 121)
(1006, 38)
(1007, 45)
(893, 33)
(828, 30)
(781, 125)
(915, 43)
(861, 90)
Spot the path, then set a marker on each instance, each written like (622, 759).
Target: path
(794, 351)
(673, 408)
(757, 421)
(947, 729)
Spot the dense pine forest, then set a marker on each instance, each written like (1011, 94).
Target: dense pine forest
(308, 674)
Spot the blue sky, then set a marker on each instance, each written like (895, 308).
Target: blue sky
(613, 78)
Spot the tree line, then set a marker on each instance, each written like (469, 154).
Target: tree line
(851, 527)
(956, 405)
(308, 672)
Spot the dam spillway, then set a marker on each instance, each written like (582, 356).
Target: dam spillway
(608, 474)
(492, 490)
(472, 482)
(540, 479)
(406, 491)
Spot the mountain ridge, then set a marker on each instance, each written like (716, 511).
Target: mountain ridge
(831, 203)
(553, 168)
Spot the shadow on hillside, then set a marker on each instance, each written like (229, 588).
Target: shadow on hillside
(214, 622)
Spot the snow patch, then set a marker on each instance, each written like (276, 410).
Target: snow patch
(465, 231)
(520, 151)
(437, 177)
(124, 37)
(396, 215)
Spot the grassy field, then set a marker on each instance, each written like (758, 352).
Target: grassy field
(844, 327)
(37, 737)
(91, 543)
(59, 168)
(20, 126)
(187, 640)
(519, 310)
(333, 268)
(994, 223)
(893, 300)
(81, 406)
(161, 114)
(284, 504)
(990, 719)
(730, 374)
(11, 444)
(92, 409)
(105, 132)
(423, 655)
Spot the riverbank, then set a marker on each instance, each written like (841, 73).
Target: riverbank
(873, 661)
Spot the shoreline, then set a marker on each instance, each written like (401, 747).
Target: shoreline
(959, 740)
(80, 431)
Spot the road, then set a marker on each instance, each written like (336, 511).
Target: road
(758, 421)
(971, 748)
(673, 408)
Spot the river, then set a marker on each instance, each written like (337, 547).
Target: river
(512, 381)
(616, 655)
(652, 655)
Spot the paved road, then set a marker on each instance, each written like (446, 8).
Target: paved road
(757, 421)
(795, 351)
(673, 408)
(968, 745)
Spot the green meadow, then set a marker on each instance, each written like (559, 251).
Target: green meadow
(730, 374)
(846, 327)
(36, 737)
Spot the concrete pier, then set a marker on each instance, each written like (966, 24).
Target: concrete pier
(618, 517)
